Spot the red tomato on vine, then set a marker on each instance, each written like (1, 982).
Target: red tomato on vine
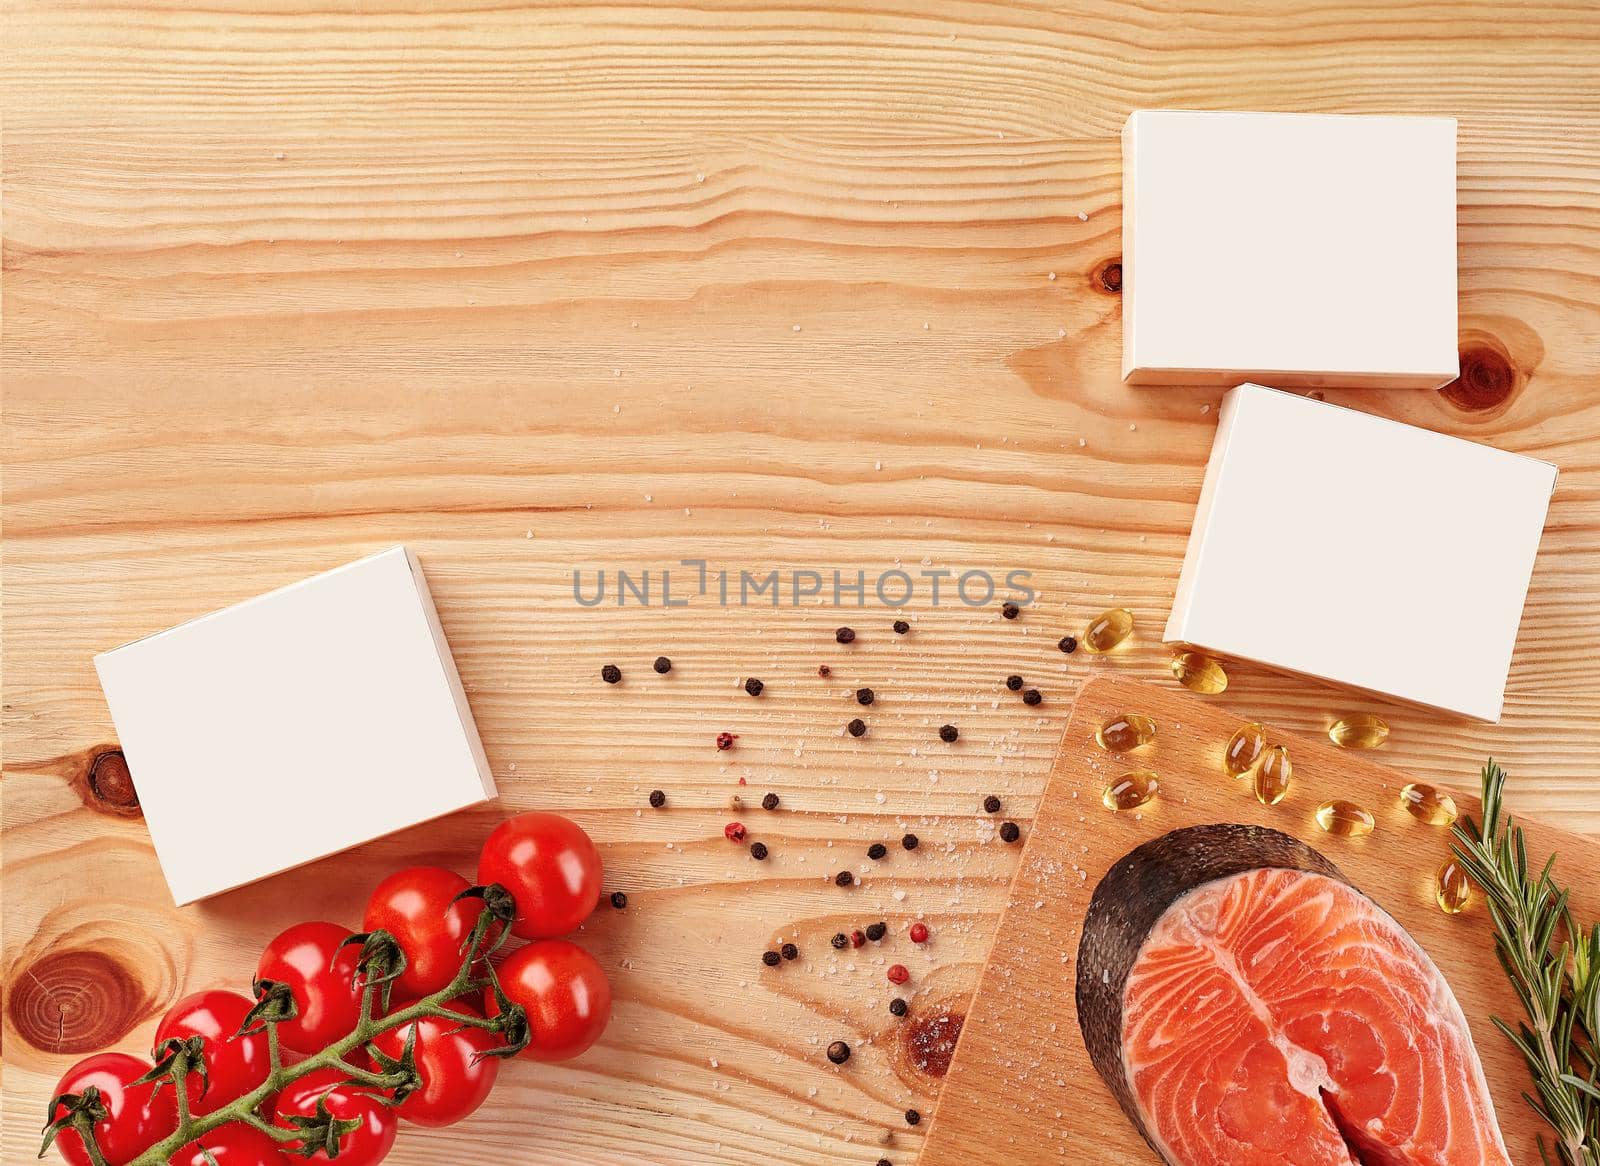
(234, 1144)
(456, 1076)
(137, 1117)
(307, 958)
(551, 868)
(564, 992)
(367, 1145)
(415, 906)
(234, 1064)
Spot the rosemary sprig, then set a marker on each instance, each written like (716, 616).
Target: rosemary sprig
(1554, 967)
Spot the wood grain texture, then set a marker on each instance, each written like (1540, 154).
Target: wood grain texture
(1022, 1089)
(519, 285)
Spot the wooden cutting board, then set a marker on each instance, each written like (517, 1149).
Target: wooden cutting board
(1022, 1090)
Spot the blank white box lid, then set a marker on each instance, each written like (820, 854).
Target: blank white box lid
(1300, 249)
(1361, 550)
(338, 693)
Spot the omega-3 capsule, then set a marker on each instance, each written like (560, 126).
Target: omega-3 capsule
(1273, 775)
(1360, 731)
(1454, 888)
(1126, 731)
(1244, 749)
(1137, 787)
(1428, 804)
(1345, 819)
(1199, 673)
(1108, 629)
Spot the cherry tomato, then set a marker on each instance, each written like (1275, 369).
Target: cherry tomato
(452, 1085)
(324, 988)
(552, 868)
(414, 905)
(137, 1117)
(234, 1064)
(367, 1145)
(234, 1144)
(565, 993)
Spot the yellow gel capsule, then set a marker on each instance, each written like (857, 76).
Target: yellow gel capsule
(1454, 889)
(1133, 789)
(1428, 804)
(1273, 775)
(1361, 731)
(1125, 732)
(1199, 673)
(1244, 749)
(1345, 819)
(1108, 629)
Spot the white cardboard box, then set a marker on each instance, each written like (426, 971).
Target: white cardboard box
(339, 693)
(1298, 249)
(1361, 550)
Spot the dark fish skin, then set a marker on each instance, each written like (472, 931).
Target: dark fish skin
(1135, 893)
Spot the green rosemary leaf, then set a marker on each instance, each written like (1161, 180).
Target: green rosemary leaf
(1553, 967)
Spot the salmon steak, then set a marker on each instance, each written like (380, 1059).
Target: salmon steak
(1247, 1006)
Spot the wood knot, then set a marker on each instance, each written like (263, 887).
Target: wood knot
(111, 784)
(929, 1040)
(1107, 276)
(1487, 380)
(75, 1002)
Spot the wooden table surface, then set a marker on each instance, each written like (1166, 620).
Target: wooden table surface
(538, 289)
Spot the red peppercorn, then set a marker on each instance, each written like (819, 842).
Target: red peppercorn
(919, 933)
(734, 832)
(726, 740)
(857, 938)
(898, 974)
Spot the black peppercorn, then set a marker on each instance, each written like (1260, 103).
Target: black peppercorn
(1032, 696)
(884, 1162)
(856, 727)
(657, 799)
(948, 733)
(876, 931)
(898, 1006)
(913, 1117)
(758, 851)
(1013, 682)
(865, 696)
(1010, 610)
(991, 805)
(838, 1052)
(877, 850)
(1010, 832)
(824, 671)
(662, 665)
(789, 951)
(845, 636)
(769, 802)
(619, 900)
(901, 627)
(770, 958)
(909, 842)
(753, 686)
(844, 879)
(611, 674)
(840, 940)
(1068, 644)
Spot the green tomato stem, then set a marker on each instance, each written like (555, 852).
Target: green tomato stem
(246, 1109)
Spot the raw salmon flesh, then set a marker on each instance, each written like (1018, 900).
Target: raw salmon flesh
(1248, 1007)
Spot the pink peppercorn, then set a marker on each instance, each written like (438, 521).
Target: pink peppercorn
(919, 933)
(898, 974)
(857, 938)
(734, 831)
(726, 740)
